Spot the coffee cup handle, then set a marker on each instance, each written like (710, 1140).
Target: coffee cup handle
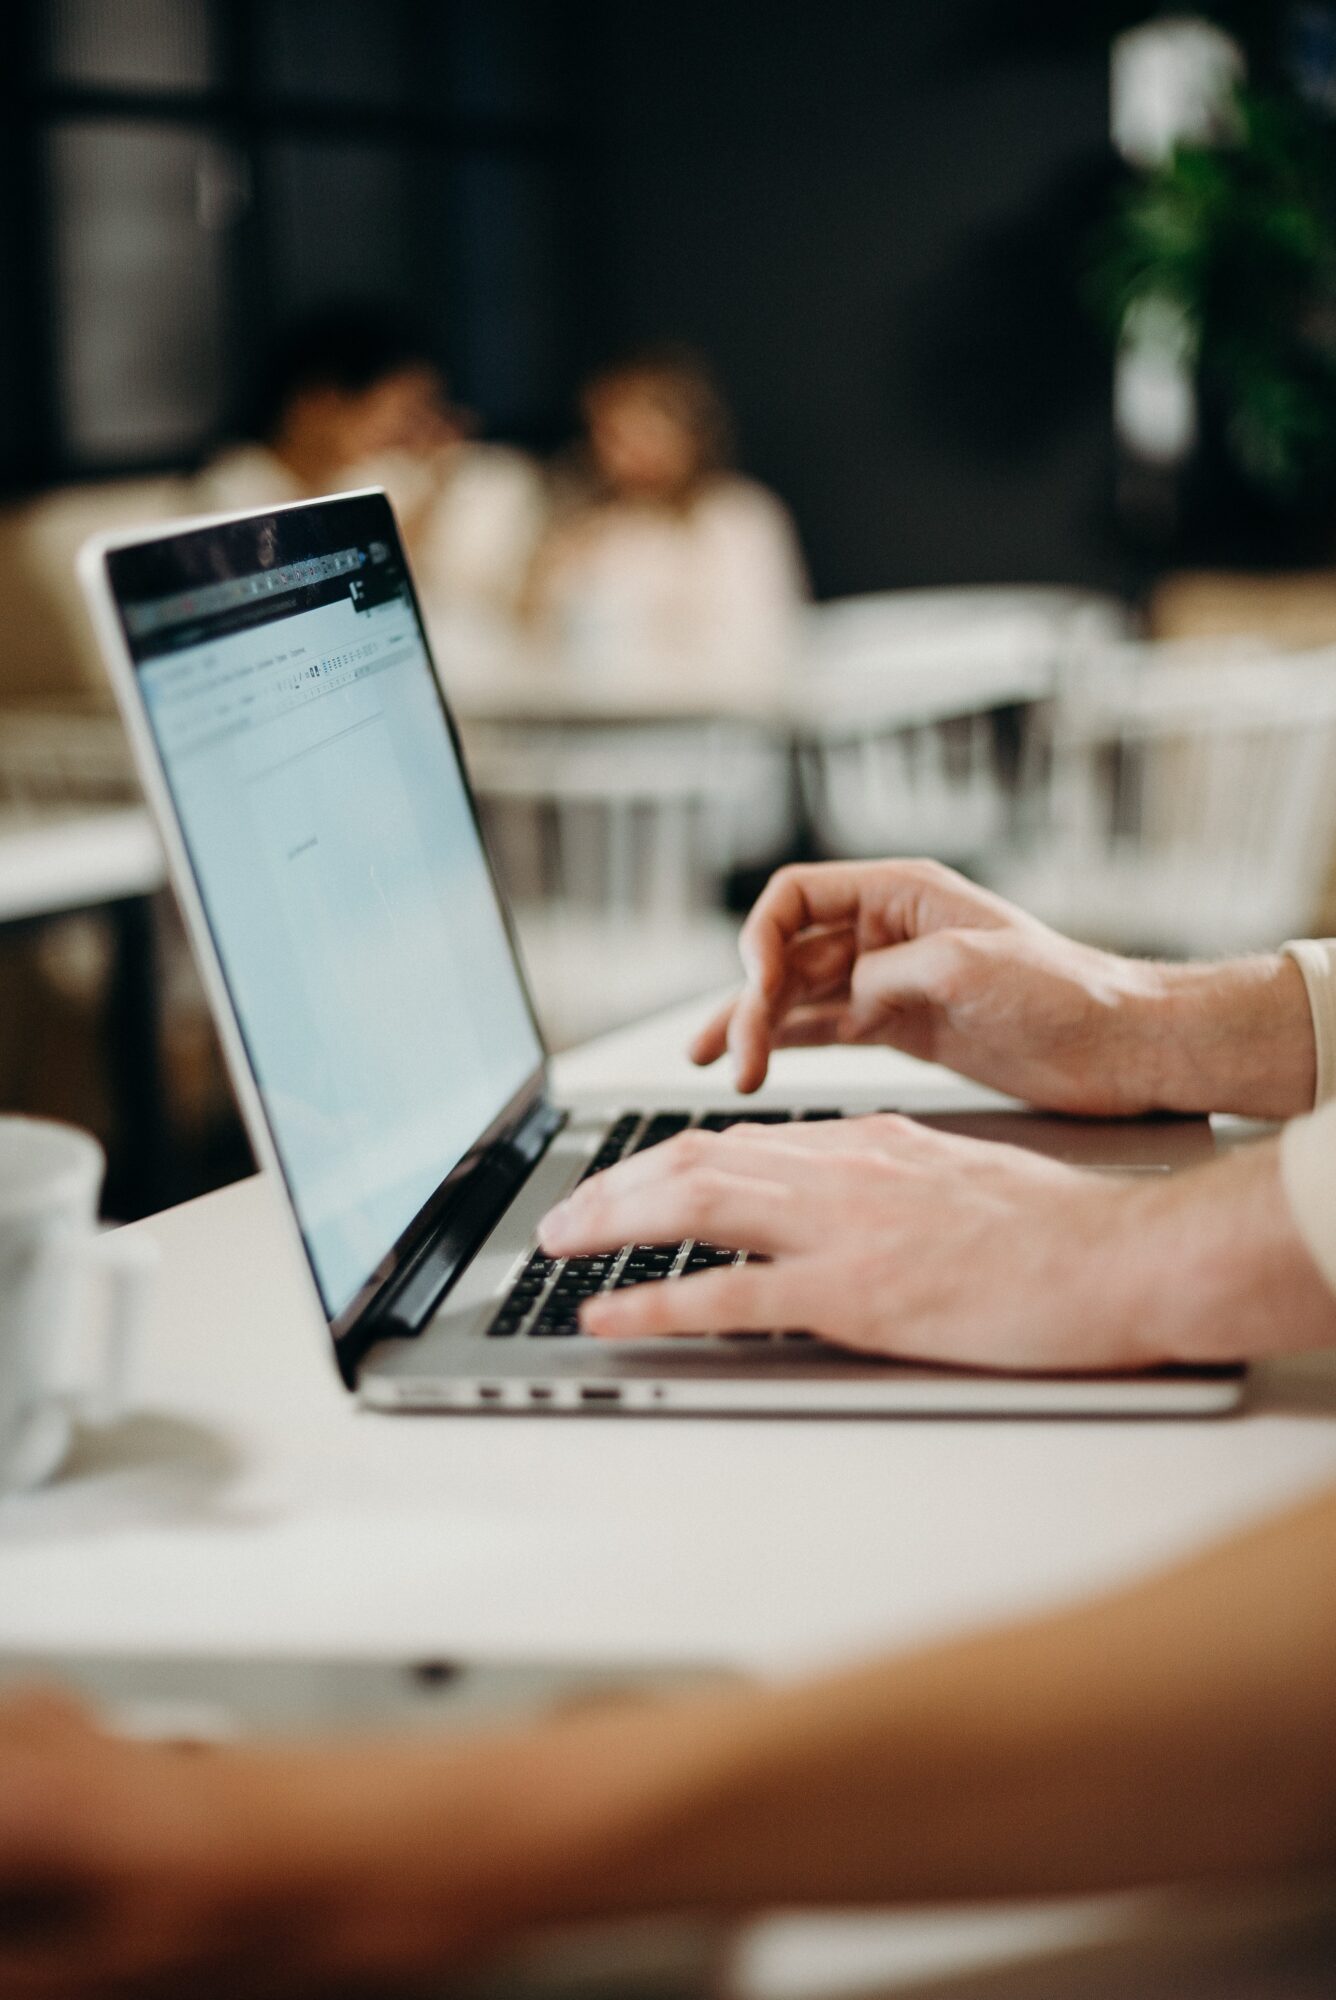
(122, 1268)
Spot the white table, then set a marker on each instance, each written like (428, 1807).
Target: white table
(524, 688)
(251, 1506)
(54, 860)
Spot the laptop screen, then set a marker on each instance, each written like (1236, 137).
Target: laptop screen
(288, 686)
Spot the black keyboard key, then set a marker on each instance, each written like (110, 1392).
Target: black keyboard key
(581, 1278)
(614, 1145)
(665, 1126)
(647, 1262)
(722, 1121)
(808, 1116)
(508, 1321)
(554, 1326)
(707, 1257)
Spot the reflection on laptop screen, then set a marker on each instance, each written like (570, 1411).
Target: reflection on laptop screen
(316, 782)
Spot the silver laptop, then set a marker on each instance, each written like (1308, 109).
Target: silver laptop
(276, 680)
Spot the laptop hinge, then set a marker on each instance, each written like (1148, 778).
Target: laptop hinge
(409, 1302)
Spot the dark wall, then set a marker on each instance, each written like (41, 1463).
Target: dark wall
(868, 213)
(869, 216)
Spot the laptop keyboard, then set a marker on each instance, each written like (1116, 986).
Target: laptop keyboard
(545, 1299)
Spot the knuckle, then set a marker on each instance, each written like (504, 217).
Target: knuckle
(954, 951)
(687, 1153)
(745, 1132)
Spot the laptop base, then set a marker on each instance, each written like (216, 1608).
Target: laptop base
(454, 1367)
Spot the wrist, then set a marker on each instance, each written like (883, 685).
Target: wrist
(1234, 1037)
(1211, 1267)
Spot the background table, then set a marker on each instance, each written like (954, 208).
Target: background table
(60, 861)
(251, 1506)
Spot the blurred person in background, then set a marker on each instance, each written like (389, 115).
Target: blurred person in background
(659, 556)
(353, 398)
(1180, 1729)
(349, 397)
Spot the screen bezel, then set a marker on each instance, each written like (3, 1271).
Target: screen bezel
(463, 1205)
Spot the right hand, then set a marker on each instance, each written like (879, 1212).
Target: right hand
(910, 954)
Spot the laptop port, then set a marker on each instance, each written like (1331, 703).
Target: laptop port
(541, 1395)
(488, 1392)
(600, 1392)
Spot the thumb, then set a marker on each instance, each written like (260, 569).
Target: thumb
(902, 978)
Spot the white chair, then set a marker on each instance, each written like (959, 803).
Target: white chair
(903, 752)
(1192, 801)
(609, 841)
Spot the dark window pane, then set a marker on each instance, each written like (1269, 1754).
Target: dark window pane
(338, 225)
(141, 225)
(502, 59)
(132, 44)
(337, 51)
(507, 270)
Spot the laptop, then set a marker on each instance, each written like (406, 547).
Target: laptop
(295, 746)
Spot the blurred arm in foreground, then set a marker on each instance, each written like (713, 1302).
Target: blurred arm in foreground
(1183, 1730)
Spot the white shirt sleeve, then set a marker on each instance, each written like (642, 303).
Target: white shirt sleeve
(1316, 960)
(1308, 1145)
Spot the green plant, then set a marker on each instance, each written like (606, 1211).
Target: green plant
(1232, 247)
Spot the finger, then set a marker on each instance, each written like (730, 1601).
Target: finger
(818, 968)
(886, 1134)
(744, 1298)
(749, 1040)
(887, 902)
(902, 979)
(709, 1043)
(815, 1026)
(877, 1132)
(794, 900)
(744, 1213)
(761, 1153)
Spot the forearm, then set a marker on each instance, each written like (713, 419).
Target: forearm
(1233, 1037)
(1184, 1730)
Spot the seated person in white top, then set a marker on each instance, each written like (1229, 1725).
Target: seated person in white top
(660, 559)
(1183, 1729)
(352, 399)
(347, 399)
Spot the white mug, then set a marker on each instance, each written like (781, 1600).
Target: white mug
(64, 1352)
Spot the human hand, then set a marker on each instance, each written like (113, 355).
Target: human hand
(134, 1869)
(880, 1235)
(910, 954)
